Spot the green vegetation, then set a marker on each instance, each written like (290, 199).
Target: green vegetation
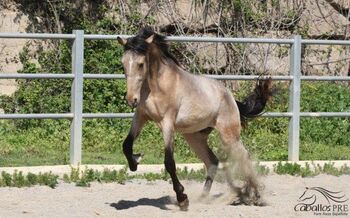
(38, 142)
(90, 175)
(83, 178)
(86, 176)
(17, 179)
(295, 169)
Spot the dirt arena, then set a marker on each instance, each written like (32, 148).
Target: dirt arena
(139, 198)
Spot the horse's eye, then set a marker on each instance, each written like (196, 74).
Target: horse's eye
(141, 65)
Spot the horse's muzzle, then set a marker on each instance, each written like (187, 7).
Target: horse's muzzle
(133, 103)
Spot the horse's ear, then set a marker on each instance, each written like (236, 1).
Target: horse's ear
(149, 40)
(121, 41)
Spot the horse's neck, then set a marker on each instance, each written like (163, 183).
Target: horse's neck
(160, 73)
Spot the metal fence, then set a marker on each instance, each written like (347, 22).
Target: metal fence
(77, 76)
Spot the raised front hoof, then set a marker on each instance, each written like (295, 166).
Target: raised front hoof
(136, 159)
(184, 204)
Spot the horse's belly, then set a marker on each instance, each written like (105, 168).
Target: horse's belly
(192, 120)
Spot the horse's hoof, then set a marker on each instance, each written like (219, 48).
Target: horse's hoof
(136, 159)
(248, 201)
(242, 199)
(184, 204)
(260, 203)
(132, 167)
(237, 202)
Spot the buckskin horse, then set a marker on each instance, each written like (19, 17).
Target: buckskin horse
(163, 92)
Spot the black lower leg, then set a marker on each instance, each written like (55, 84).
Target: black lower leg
(207, 185)
(133, 159)
(171, 169)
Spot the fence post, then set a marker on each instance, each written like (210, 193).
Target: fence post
(294, 100)
(77, 97)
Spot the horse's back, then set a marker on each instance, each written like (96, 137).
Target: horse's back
(199, 102)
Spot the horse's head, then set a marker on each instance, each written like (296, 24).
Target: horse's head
(308, 196)
(135, 63)
(144, 53)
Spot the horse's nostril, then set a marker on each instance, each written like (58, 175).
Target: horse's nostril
(134, 104)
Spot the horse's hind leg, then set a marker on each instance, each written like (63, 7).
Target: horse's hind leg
(137, 124)
(199, 143)
(229, 130)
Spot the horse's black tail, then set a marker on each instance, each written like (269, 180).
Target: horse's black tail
(254, 104)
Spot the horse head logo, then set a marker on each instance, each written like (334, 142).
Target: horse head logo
(310, 195)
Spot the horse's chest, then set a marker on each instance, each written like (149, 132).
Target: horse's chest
(155, 109)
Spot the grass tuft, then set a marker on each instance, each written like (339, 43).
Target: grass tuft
(297, 170)
(17, 179)
(83, 178)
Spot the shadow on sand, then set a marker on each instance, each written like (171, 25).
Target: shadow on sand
(158, 202)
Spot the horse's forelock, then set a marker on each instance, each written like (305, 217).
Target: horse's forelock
(139, 45)
(136, 44)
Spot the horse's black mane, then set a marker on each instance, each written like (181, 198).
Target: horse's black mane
(139, 45)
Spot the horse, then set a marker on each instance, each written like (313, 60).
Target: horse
(161, 91)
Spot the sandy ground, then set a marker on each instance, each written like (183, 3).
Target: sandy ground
(139, 198)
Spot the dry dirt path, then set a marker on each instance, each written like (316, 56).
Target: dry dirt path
(139, 198)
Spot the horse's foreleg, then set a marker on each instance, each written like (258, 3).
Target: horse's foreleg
(137, 124)
(199, 144)
(169, 162)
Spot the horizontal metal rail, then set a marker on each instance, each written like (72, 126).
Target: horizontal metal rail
(107, 115)
(325, 114)
(277, 114)
(199, 39)
(36, 76)
(325, 78)
(218, 77)
(103, 76)
(266, 114)
(247, 77)
(324, 42)
(307, 114)
(37, 116)
(14, 35)
(104, 37)
(130, 115)
(228, 40)
(36, 36)
(122, 76)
